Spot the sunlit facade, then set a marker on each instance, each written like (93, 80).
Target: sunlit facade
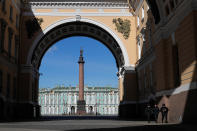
(63, 100)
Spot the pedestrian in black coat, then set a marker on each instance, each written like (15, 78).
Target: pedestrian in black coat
(156, 112)
(148, 112)
(164, 112)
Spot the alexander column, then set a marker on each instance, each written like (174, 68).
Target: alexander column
(81, 102)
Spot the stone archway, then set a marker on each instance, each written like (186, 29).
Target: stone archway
(80, 27)
(72, 27)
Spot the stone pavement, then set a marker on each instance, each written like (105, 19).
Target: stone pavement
(90, 124)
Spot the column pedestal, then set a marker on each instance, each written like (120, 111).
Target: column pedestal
(81, 110)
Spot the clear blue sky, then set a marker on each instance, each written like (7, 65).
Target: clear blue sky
(59, 65)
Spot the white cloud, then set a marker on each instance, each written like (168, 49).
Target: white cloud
(52, 49)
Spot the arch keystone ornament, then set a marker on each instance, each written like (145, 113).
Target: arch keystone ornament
(78, 17)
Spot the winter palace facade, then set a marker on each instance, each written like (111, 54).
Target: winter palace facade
(63, 100)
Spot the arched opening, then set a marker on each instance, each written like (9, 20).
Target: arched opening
(84, 27)
(59, 79)
(91, 109)
(72, 110)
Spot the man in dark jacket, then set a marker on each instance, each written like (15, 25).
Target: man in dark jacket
(148, 112)
(156, 112)
(164, 113)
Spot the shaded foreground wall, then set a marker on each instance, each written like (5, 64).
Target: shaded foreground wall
(172, 78)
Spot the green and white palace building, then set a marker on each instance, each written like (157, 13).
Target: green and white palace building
(63, 100)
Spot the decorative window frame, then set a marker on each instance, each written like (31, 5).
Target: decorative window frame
(4, 6)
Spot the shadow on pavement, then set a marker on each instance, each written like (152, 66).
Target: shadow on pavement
(174, 127)
(56, 118)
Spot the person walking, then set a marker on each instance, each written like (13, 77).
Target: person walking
(164, 112)
(148, 112)
(156, 112)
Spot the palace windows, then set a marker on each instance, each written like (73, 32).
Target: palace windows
(170, 5)
(16, 47)
(3, 25)
(138, 22)
(10, 35)
(11, 13)
(139, 47)
(17, 21)
(90, 97)
(3, 6)
(142, 14)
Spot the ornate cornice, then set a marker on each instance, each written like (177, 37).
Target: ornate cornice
(77, 3)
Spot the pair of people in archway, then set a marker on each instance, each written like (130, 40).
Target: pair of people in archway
(155, 111)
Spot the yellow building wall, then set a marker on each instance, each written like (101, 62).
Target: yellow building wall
(130, 44)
